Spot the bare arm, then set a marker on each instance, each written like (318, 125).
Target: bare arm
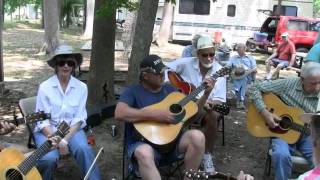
(275, 54)
(292, 60)
(73, 129)
(126, 113)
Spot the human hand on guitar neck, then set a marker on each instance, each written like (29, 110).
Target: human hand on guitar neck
(270, 118)
(210, 84)
(6, 127)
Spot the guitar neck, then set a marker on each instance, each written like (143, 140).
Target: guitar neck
(194, 93)
(31, 161)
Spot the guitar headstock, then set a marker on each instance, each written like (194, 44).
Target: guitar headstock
(223, 71)
(38, 116)
(62, 129)
(193, 174)
(223, 108)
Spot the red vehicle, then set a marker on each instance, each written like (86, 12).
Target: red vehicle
(302, 32)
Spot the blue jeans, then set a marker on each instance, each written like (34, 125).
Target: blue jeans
(281, 155)
(281, 62)
(80, 150)
(240, 87)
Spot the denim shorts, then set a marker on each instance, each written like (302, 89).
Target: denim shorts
(161, 159)
(277, 61)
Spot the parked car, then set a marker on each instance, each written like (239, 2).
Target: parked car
(302, 32)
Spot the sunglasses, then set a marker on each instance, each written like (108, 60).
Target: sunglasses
(63, 62)
(205, 55)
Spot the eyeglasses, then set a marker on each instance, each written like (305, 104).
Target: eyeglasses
(205, 55)
(68, 62)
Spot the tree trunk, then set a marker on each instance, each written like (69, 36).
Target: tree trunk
(51, 25)
(89, 19)
(1, 55)
(100, 83)
(165, 26)
(84, 15)
(42, 14)
(142, 37)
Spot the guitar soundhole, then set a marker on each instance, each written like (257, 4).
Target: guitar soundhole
(285, 123)
(175, 108)
(13, 174)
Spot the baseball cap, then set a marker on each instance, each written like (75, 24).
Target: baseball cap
(152, 63)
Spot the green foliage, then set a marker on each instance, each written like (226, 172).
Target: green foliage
(11, 5)
(111, 5)
(316, 4)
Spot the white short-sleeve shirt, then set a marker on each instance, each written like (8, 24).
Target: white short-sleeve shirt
(188, 69)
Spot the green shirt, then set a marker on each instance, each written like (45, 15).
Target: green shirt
(289, 90)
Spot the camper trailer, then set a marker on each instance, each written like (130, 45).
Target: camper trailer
(233, 20)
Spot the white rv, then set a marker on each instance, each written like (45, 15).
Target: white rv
(235, 20)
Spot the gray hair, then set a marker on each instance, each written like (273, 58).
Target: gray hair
(241, 45)
(310, 69)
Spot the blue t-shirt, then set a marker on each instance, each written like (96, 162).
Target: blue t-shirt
(136, 96)
(314, 53)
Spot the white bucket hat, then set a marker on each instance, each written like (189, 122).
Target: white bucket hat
(64, 50)
(204, 42)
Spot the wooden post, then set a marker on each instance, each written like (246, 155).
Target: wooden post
(1, 55)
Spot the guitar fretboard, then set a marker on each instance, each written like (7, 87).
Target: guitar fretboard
(194, 93)
(31, 161)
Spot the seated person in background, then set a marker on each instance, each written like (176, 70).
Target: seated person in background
(195, 70)
(283, 57)
(314, 120)
(302, 92)
(244, 71)
(189, 50)
(130, 108)
(6, 127)
(64, 97)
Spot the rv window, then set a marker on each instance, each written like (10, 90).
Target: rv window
(286, 10)
(231, 10)
(200, 7)
(314, 26)
(297, 25)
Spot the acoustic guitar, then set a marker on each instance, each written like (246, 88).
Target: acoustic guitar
(192, 174)
(290, 127)
(177, 81)
(14, 165)
(181, 106)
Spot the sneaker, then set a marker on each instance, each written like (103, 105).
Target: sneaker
(207, 163)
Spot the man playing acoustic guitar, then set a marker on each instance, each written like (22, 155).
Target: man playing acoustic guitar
(302, 92)
(130, 108)
(194, 70)
(133, 108)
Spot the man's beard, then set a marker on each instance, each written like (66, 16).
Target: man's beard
(207, 65)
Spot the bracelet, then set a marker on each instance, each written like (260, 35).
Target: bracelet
(64, 142)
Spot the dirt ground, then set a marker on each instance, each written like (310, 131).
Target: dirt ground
(25, 69)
